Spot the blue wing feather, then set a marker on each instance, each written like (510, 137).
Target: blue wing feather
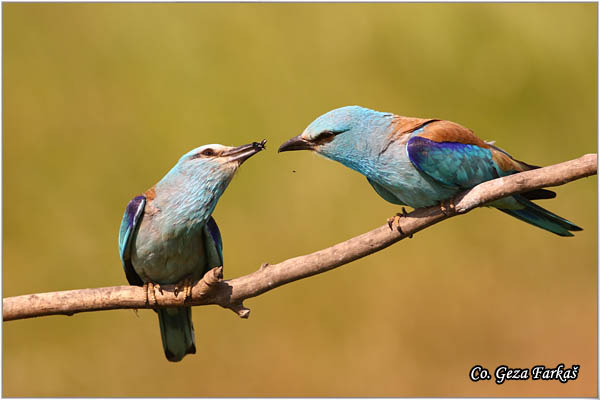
(129, 223)
(453, 164)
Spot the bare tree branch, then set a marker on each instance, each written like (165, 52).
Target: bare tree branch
(212, 289)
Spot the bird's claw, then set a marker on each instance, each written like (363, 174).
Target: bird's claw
(390, 222)
(185, 286)
(150, 294)
(396, 220)
(447, 207)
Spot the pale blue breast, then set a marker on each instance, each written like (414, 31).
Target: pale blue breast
(164, 255)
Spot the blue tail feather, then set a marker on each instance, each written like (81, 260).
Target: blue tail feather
(177, 332)
(542, 218)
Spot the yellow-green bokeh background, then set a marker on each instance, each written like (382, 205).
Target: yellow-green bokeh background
(100, 100)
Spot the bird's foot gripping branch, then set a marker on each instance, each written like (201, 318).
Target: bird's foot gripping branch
(211, 289)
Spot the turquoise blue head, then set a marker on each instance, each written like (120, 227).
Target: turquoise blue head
(200, 177)
(341, 134)
(215, 160)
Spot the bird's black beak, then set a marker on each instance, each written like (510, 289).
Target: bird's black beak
(244, 152)
(295, 143)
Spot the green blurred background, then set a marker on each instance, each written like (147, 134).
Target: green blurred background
(100, 100)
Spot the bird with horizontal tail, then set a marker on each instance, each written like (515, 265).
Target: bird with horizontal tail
(168, 235)
(421, 162)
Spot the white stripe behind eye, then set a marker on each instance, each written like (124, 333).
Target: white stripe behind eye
(216, 148)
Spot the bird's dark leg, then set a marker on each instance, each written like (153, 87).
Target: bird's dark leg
(185, 286)
(396, 219)
(447, 206)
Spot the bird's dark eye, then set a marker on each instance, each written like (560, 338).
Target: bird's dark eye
(204, 153)
(327, 136)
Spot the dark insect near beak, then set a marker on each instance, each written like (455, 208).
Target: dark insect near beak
(261, 145)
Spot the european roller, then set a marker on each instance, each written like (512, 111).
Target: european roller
(168, 235)
(421, 162)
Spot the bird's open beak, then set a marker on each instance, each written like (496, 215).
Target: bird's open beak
(244, 152)
(295, 143)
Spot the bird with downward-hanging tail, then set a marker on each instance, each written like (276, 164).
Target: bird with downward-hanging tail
(168, 235)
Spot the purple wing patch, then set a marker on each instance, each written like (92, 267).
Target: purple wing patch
(132, 215)
(215, 234)
(133, 207)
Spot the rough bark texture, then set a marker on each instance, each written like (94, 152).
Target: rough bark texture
(212, 289)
